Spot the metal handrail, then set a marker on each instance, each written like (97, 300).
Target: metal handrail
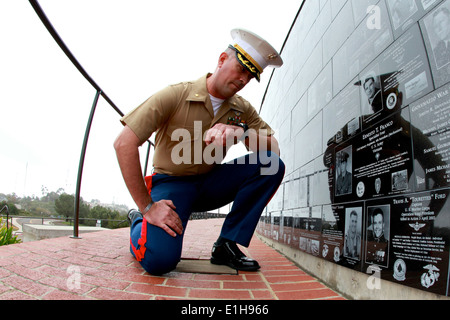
(7, 214)
(40, 12)
(81, 165)
(99, 92)
(42, 218)
(281, 51)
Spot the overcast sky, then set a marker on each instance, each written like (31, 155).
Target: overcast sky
(132, 49)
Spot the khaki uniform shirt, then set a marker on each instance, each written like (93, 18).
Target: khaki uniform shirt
(187, 106)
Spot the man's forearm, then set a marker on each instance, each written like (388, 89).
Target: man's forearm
(127, 151)
(257, 142)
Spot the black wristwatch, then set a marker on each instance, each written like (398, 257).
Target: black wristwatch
(243, 126)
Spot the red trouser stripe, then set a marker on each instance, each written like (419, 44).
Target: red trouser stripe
(139, 253)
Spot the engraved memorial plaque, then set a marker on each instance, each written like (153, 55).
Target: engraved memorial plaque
(383, 159)
(298, 220)
(430, 117)
(286, 231)
(342, 234)
(276, 225)
(405, 13)
(399, 76)
(436, 30)
(410, 239)
(376, 163)
(332, 233)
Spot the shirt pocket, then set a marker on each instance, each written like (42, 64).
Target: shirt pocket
(186, 144)
(186, 132)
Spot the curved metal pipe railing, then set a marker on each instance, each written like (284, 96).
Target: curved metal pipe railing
(5, 207)
(281, 51)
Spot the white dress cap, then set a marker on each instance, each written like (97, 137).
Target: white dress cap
(256, 50)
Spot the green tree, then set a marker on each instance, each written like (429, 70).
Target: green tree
(65, 206)
(105, 214)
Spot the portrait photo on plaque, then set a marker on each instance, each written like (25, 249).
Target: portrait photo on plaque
(344, 172)
(380, 95)
(372, 97)
(353, 233)
(377, 235)
(436, 30)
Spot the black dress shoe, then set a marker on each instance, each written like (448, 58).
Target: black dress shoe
(229, 254)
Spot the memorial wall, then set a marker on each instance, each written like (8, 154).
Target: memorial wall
(362, 113)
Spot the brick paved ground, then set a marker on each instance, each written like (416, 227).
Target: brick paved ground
(99, 266)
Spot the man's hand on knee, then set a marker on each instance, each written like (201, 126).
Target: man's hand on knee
(162, 214)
